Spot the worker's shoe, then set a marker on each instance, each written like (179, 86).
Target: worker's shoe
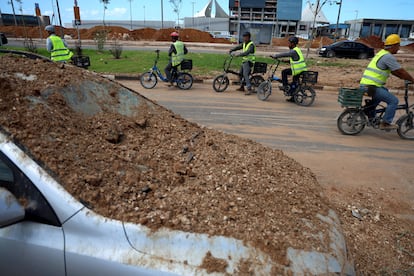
(241, 89)
(249, 91)
(387, 126)
(291, 100)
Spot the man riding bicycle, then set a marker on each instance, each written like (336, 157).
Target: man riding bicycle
(248, 53)
(176, 54)
(376, 74)
(297, 64)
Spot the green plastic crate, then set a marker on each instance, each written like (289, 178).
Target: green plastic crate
(350, 97)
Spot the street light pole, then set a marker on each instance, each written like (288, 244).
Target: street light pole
(337, 20)
(193, 12)
(130, 13)
(162, 14)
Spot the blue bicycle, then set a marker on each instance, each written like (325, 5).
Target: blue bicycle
(182, 78)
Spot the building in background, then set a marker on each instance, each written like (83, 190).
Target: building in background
(306, 24)
(136, 24)
(8, 19)
(265, 18)
(380, 27)
(212, 18)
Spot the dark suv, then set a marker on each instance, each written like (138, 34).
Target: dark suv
(347, 49)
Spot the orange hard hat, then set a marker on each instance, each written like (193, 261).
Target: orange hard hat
(174, 34)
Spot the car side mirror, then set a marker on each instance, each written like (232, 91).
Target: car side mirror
(11, 211)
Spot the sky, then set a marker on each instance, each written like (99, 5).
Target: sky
(151, 10)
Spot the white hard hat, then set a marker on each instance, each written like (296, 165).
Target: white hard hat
(50, 28)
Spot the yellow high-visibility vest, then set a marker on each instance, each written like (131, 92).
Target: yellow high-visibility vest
(298, 66)
(251, 57)
(177, 58)
(374, 75)
(59, 51)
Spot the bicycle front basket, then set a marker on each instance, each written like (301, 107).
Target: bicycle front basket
(310, 77)
(350, 97)
(259, 67)
(187, 64)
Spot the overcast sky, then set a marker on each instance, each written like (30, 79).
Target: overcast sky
(120, 9)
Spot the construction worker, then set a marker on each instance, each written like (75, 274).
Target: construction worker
(297, 64)
(57, 46)
(248, 53)
(376, 75)
(176, 54)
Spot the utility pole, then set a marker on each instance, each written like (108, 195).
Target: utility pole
(14, 12)
(144, 16)
(337, 20)
(238, 21)
(60, 19)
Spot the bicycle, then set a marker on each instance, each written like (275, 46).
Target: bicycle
(301, 90)
(182, 78)
(356, 116)
(221, 82)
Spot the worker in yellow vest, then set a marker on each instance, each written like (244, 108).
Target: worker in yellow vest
(176, 54)
(297, 65)
(248, 53)
(57, 46)
(376, 75)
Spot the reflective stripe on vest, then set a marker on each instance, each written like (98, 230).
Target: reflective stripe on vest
(177, 58)
(59, 51)
(374, 75)
(251, 57)
(298, 66)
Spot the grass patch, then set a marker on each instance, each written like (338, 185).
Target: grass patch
(204, 64)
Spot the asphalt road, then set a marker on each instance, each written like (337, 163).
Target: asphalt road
(375, 160)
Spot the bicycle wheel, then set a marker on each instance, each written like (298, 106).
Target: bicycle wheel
(304, 96)
(220, 83)
(351, 121)
(256, 81)
(184, 81)
(148, 80)
(264, 90)
(406, 127)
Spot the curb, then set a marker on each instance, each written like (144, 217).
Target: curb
(325, 88)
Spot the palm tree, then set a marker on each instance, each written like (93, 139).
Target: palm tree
(105, 3)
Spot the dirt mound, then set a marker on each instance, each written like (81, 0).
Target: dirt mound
(143, 34)
(152, 167)
(114, 32)
(316, 43)
(372, 41)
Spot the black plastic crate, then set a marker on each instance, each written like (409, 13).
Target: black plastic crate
(309, 77)
(259, 67)
(187, 64)
(81, 61)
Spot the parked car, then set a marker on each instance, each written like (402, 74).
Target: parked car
(3, 39)
(347, 49)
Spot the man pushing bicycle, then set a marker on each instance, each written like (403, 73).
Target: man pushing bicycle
(248, 53)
